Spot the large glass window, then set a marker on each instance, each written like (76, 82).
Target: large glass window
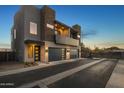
(33, 28)
(30, 51)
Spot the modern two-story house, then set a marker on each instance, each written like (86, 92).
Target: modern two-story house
(38, 36)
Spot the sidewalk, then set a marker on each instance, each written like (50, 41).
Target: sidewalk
(20, 68)
(117, 78)
(6, 66)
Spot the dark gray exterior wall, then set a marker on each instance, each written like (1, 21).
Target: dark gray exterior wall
(31, 14)
(47, 17)
(18, 42)
(22, 21)
(12, 40)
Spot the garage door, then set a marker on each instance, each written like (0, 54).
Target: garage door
(55, 54)
(73, 53)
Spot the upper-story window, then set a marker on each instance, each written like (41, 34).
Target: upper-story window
(14, 34)
(33, 28)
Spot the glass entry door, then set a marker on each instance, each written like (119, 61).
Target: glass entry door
(37, 53)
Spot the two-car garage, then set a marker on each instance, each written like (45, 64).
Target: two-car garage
(56, 54)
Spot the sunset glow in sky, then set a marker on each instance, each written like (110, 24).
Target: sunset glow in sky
(102, 26)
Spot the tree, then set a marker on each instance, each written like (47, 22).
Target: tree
(113, 48)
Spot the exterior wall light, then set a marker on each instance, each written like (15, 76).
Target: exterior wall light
(46, 49)
(55, 32)
(50, 26)
(78, 36)
(68, 50)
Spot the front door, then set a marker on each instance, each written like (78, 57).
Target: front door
(37, 53)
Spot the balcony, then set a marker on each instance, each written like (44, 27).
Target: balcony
(66, 40)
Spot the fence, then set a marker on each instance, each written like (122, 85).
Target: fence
(6, 56)
(117, 55)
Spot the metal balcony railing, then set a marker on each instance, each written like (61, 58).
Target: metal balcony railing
(66, 40)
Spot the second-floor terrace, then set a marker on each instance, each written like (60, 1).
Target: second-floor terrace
(66, 35)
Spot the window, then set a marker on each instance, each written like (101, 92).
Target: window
(50, 26)
(30, 51)
(33, 28)
(14, 33)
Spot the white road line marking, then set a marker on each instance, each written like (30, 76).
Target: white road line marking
(59, 76)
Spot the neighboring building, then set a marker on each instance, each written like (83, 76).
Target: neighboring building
(38, 36)
(5, 50)
(6, 54)
(115, 53)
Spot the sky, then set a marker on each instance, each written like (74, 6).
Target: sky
(101, 26)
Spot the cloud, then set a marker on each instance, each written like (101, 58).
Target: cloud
(92, 45)
(5, 45)
(110, 44)
(88, 32)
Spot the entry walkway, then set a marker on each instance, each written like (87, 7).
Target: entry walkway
(117, 78)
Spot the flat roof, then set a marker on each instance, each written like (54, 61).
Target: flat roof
(67, 26)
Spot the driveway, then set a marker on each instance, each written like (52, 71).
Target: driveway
(95, 76)
(19, 79)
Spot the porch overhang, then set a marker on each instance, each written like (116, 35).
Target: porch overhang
(34, 42)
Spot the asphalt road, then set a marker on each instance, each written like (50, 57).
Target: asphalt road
(19, 79)
(95, 76)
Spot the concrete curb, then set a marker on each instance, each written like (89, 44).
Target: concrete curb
(41, 65)
(54, 78)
